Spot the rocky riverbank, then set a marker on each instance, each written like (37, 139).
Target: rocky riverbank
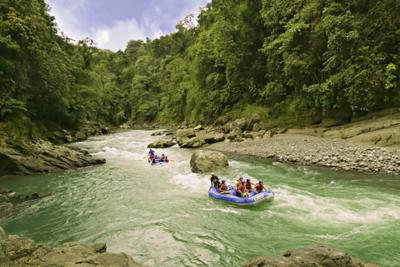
(20, 252)
(368, 145)
(25, 149)
(41, 157)
(310, 256)
(310, 150)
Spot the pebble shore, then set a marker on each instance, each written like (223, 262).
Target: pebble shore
(308, 150)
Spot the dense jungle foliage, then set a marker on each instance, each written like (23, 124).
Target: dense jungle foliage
(291, 61)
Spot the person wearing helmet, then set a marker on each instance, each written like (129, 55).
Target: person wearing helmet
(260, 187)
(239, 181)
(215, 181)
(241, 190)
(248, 185)
(223, 189)
(151, 152)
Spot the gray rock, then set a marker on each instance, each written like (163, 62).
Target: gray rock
(183, 135)
(206, 161)
(158, 133)
(211, 138)
(161, 144)
(240, 123)
(234, 134)
(81, 136)
(198, 128)
(100, 247)
(42, 157)
(194, 142)
(17, 252)
(309, 256)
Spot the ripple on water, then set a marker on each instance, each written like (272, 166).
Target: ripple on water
(162, 215)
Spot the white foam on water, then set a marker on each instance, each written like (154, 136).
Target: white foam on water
(191, 181)
(333, 210)
(112, 152)
(225, 210)
(238, 164)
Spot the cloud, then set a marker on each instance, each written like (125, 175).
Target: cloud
(117, 36)
(67, 15)
(112, 24)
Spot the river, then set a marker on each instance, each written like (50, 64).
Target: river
(162, 216)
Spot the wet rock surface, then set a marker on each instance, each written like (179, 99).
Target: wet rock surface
(42, 157)
(318, 256)
(311, 150)
(163, 143)
(20, 252)
(207, 161)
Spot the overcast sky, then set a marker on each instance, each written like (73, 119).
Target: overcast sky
(112, 23)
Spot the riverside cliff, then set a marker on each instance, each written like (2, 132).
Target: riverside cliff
(26, 149)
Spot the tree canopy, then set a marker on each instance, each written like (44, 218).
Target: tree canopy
(291, 60)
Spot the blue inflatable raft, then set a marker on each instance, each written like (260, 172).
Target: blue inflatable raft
(158, 161)
(252, 199)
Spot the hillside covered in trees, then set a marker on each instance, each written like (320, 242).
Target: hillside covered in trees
(290, 61)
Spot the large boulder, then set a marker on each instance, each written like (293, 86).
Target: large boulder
(240, 123)
(161, 144)
(18, 251)
(207, 161)
(194, 142)
(211, 138)
(318, 255)
(183, 135)
(234, 135)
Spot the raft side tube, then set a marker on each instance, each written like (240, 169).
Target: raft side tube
(252, 199)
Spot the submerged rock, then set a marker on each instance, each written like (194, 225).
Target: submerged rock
(206, 161)
(9, 200)
(17, 252)
(318, 255)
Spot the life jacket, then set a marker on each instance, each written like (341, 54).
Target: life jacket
(223, 187)
(240, 188)
(260, 187)
(248, 186)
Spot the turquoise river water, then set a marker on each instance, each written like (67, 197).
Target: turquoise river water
(162, 216)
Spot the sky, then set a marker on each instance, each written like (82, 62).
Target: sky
(112, 23)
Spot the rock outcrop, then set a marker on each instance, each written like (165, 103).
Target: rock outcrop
(184, 135)
(41, 157)
(206, 161)
(318, 256)
(21, 252)
(162, 143)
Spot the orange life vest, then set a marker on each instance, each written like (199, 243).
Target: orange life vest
(240, 188)
(223, 188)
